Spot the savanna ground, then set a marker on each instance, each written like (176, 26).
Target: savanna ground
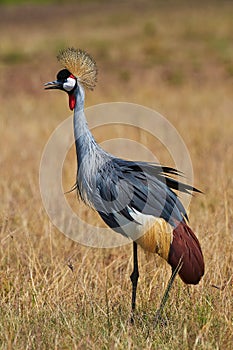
(173, 57)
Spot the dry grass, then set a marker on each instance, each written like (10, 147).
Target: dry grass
(174, 58)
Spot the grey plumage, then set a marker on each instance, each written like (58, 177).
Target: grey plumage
(115, 187)
(129, 195)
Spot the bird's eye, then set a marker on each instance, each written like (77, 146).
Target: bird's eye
(67, 79)
(69, 84)
(63, 74)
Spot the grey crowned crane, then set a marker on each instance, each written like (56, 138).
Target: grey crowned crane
(135, 199)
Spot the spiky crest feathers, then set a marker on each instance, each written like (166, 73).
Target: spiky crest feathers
(80, 64)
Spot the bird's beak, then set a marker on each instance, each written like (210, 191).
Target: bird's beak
(53, 85)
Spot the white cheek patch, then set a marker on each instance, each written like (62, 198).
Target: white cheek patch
(69, 84)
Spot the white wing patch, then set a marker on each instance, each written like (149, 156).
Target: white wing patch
(141, 224)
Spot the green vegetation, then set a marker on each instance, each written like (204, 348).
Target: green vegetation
(22, 2)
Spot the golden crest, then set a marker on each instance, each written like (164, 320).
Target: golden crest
(80, 64)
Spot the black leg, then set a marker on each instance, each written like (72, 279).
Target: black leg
(134, 279)
(166, 293)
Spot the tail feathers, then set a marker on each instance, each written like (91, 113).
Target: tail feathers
(185, 246)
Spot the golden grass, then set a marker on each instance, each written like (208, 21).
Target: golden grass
(174, 58)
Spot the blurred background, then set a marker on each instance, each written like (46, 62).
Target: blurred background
(174, 57)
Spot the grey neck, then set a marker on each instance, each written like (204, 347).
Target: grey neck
(84, 140)
(90, 156)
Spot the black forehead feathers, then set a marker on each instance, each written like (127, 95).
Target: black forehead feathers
(63, 74)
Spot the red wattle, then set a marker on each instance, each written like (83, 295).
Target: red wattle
(72, 101)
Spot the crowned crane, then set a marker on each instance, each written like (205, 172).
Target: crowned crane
(135, 199)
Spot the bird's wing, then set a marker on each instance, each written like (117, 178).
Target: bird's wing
(126, 188)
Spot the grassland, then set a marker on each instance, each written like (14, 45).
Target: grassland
(173, 57)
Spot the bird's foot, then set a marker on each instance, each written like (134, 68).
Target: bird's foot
(159, 320)
(133, 318)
